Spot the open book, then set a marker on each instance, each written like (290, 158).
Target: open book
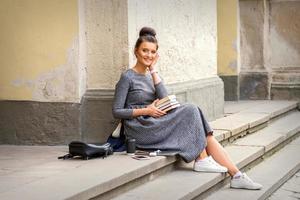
(167, 103)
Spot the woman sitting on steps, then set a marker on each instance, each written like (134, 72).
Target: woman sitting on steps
(184, 128)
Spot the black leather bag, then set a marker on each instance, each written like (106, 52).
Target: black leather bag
(86, 151)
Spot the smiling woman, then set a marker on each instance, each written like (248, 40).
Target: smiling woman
(183, 129)
(136, 94)
(145, 54)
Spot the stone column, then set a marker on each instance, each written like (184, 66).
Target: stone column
(186, 31)
(187, 36)
(106, 29)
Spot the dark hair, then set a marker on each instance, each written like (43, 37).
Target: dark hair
(146, 34)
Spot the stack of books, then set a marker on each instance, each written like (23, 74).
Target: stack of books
(167, 103)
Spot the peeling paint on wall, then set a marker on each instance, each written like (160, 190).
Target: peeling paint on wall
(58, 84)
(233, 65)
(36, 64)
(21, 82)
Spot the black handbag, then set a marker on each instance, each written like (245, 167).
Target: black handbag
(86, 151)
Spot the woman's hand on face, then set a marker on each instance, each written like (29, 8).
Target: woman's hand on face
(153, 111)
(151, 67)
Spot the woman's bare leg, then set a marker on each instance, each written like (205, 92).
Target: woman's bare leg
(215, 149)
(202, 155)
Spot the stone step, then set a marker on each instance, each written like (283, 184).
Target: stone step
(119, 173)
(273, 107)
(271, 136)
(84, 179)
(289, 190)
(183, 183)
(271, 173)
(245, 117)
(252, 119)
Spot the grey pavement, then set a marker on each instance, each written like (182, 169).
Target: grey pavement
(36, 171)
(21, 165)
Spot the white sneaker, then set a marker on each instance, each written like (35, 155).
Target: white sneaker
(208, 164)
(244, 182)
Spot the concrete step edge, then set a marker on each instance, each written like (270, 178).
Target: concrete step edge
(81, 184)
(146, 172)
(225, 136)
(118, 189)
(284, 164)
(271, 134)
(262, 121)
(214, 179)
(291, 107)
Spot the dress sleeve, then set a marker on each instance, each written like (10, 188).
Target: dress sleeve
(160, 90)
(121, 90)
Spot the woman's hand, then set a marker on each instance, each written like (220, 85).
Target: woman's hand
(151, 67)
(153, 111)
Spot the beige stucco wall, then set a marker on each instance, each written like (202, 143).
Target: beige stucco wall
(186, 31)
(227, 37)
(39, 50)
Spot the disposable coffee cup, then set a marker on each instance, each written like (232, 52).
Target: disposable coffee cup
(130, 146)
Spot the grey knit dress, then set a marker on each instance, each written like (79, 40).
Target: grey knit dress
(183, 129)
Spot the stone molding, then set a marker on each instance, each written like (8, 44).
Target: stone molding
(196, 84)
(286, 85)
(108, 94)
(99, 94)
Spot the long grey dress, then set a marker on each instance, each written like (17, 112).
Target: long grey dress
(183, 129)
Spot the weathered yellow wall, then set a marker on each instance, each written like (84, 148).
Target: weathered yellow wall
(38, 50)
(227, 36)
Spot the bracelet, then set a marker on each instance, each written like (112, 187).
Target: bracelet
(153, 71)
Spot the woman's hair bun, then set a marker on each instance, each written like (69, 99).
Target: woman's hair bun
(147, 31)
(146, 34)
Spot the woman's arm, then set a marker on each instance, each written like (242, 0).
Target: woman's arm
(150, 110)
(121, 91)
(155, 77)
(160, 89)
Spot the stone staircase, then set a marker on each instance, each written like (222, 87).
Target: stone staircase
(251, 132)
(260, 136)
